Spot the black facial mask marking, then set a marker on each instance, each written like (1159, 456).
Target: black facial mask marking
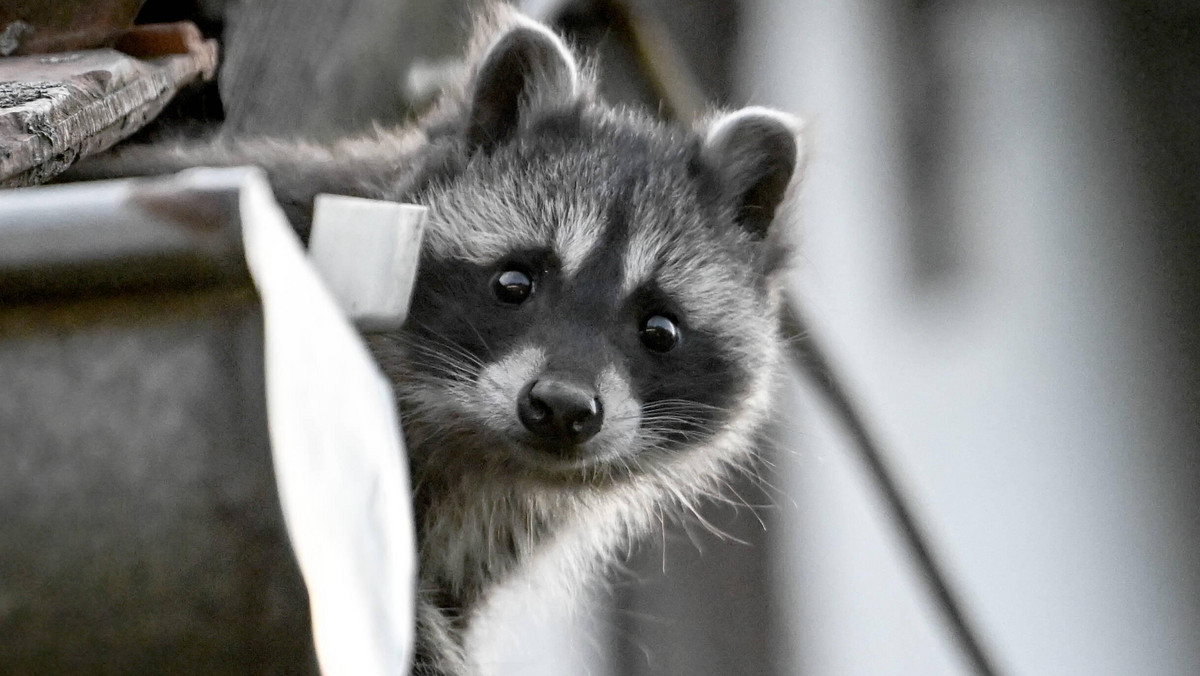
(688, 391)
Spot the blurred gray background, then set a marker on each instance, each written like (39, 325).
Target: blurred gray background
(999, 245)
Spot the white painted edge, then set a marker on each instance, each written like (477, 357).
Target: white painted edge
(337, 450)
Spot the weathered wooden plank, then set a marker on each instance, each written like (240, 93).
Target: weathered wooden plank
(367, 253)
(56, 108)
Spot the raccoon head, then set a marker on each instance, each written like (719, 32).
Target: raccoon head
(597, 295)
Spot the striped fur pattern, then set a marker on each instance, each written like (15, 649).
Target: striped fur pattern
(615, 217)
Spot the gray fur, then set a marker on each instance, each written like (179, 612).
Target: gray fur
(522, 157)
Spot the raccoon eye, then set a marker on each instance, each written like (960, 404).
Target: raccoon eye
(660, 334)
(512, 286)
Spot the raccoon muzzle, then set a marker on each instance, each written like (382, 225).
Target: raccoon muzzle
(561, 411)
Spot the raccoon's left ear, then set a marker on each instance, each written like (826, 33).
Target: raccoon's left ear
(527, 68)
(755, 153)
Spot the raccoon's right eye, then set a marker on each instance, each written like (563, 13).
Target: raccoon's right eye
(512, 286)
(660, 334)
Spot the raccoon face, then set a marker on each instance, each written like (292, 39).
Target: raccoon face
(596, 296)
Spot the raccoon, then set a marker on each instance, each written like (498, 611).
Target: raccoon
(594, 329)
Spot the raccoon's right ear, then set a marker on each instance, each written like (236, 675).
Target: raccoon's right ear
(526, 68)
(756, 154)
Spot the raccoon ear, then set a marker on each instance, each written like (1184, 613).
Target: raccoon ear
(755, 152)
(528, 67)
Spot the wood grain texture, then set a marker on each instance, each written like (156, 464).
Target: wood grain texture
(55, 109)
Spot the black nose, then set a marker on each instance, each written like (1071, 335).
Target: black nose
(559, 409)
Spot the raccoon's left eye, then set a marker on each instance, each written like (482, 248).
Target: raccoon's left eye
(660, 334)
(512, 286)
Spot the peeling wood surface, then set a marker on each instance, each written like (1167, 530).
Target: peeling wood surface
(57, 108)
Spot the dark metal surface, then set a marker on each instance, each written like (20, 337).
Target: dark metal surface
(153, 236)
(142, 529)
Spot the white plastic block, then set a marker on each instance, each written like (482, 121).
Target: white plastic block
(367, 252)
